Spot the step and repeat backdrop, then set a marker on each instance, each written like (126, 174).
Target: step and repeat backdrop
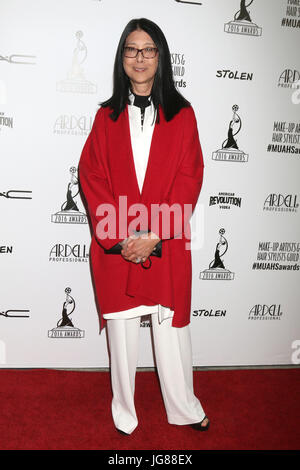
(238, 63)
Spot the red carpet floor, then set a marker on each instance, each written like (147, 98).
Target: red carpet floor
(65, 410)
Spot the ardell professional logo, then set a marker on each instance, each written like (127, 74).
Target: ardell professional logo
(225, 200)
(73, 125)
(217, 270)
(178, 67)
(209, 313)
(292, 14)
(65, 327)
(5, 121)
(69, 253)
(16, 194)
(20, 59)
(281, 203)
(277, 256)
(69, 213)
(289, 79)
(234, 75)
(76, 81)
(242, 23)
(230, 151)
(145, 324)
(285, 137)
(14, 313)
(265, 312)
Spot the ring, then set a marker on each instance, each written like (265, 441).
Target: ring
(137, 260)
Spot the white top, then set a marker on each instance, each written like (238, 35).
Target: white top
(141, 142)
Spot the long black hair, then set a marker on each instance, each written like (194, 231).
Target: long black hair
(164, 92)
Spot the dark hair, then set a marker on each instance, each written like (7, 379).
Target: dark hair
(164, 92)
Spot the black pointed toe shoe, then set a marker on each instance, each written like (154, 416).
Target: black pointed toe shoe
(199, 426)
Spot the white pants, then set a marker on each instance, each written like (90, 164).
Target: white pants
(173, 354)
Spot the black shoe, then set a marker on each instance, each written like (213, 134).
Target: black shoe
(199, 427)
(122, 432)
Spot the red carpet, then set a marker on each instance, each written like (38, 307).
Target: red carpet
(65, 410)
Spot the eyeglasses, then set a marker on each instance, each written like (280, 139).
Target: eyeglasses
(147, 52)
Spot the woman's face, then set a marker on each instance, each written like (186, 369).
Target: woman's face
(140, 71)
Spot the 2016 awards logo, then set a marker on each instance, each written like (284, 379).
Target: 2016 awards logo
(73, 125)
(225, 200)
(230, 151)
(14, 313)
(5, 121)
(69, 213)
(76, 81)
(242, 22)
(65, 327)
(289, 79)
(16, 194)
(178, 68)
(216, 269)
(280, 203)
(63, 252)
(265, 312)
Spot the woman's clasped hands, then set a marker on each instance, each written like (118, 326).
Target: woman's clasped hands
(137, 248)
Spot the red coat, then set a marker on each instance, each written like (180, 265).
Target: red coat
(174, 175)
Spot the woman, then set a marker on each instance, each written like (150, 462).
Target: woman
(144, 150)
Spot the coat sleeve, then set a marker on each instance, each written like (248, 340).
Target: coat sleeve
(186, 186)
(95, 185)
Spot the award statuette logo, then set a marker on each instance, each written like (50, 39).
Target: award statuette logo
(69, 213)
(230, 151)
(65, 327)
(242, 23)
(217, 270)
(76, 81)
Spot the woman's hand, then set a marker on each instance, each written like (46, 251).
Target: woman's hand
(138, 248)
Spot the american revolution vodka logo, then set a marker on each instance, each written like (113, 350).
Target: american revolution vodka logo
(242, 22)
(76, 81)
(216, 269)
(225, 200)
(230, 151)
(69, 213)
(65, 327)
